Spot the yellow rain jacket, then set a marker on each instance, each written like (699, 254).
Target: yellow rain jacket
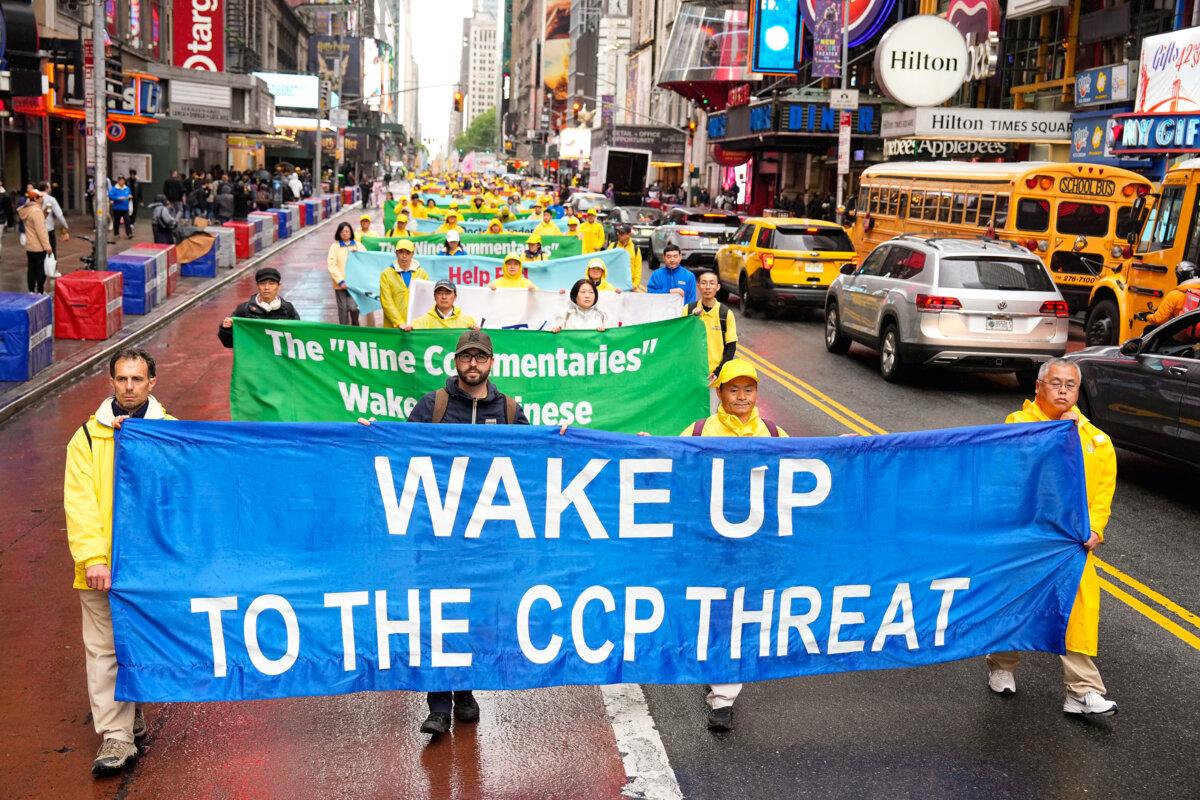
(418, 212)
(393, 294)
(539, 256)
(88, 489)
(446, 227)
(431, 319)
(723, 423)
(1100, 470)
(604, 285)
(399, 231)
(335, 262)
(635, 261)
(516, 282)
(592, 234)
(547, 229)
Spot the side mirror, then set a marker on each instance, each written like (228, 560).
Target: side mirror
(847, 269)
(1139, 205)
(1131, 347)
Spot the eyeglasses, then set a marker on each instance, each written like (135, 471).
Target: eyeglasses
(1056, 385)
(473, 358)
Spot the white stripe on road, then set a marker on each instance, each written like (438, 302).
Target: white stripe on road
(646, 765)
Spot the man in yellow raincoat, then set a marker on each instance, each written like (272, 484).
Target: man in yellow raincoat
(547, 226)
(451, 223)
(625, 242)
(394, 284)
(88, 502)
(444, 314)
(400, 226)
(1057, 393)
(513, 277)
(737, 389)
(592, 233)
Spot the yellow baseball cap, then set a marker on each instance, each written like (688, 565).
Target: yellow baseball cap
(534, 239)
(406, 244)
(364, 216)
(736, 368)
(572, 222)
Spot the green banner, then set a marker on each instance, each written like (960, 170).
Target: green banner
(481, 244)
(647, 377)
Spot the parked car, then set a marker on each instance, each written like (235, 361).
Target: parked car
(583, 201)
(696, 232)
(641, 219)
(1145, 394)
(968, 304)
(776, 261)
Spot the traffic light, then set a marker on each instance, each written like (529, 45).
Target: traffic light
(576, 107)
(458, 100)
(691, 127)
(323, 98)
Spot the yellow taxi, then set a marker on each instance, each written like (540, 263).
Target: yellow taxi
(777, 261)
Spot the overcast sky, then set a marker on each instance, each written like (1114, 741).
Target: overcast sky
(437, 36)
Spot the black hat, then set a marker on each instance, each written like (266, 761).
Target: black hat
(267, 274)
(624, 229)
(444, 284)
(474, 340)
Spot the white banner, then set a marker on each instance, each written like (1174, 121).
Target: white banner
(536, 310)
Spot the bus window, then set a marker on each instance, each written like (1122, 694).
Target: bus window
(862, 199)
(972, 207)
(944, 208)
(1082, 219)
(1159, 233)
(1033, 214)
(873, 201)
(956, 211)
(931, 204)
(893, 199)
(916, 206)
(987, 203)
(902, 208)
(1001, 211)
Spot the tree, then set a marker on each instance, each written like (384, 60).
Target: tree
(479, 135)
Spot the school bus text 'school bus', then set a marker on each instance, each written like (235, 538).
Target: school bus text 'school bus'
(1074, 216)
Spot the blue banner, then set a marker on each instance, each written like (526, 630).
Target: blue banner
(292, 559)
(527, 225)
(363, 268)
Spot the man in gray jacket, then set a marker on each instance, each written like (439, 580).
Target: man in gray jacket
(55, 221)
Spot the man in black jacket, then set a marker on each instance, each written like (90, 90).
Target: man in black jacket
(267, 304)
(472, 399)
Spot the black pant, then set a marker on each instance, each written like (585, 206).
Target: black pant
(118, 218)
(35, 272)
(53, 243)
(440, 702)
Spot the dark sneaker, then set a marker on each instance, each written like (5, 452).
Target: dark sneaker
(114, 755)
(466, 710)
(720, 719)
(436, 724)
(139, 724)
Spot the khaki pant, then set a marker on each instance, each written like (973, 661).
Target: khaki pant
(113, 720)
(1079, 671)
(722, 695)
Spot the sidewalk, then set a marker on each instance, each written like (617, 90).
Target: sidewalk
(73, 357)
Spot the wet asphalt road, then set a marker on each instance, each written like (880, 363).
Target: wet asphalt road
(935, 732)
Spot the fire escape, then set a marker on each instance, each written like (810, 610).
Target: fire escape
(241, 32)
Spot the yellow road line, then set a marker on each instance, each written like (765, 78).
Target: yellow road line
(813, 390)
(1162, 600)
(1147, 611)
(865, 427)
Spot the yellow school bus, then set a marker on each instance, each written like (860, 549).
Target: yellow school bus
(1170, 234)
(1074, 216)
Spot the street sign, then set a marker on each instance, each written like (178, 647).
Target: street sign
(844, 144)
(89, 101)
(843, 99)
(339, 118)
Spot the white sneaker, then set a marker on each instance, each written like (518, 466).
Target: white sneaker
(1092, 703)
(1002, 681)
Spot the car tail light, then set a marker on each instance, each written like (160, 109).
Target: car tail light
(930, 302)
(1055, 308)
(768, 260)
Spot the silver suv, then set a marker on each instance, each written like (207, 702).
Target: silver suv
(972, 304)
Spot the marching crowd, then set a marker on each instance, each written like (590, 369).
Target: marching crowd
(469, 396)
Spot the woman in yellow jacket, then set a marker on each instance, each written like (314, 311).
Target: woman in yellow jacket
(513, 277)
(451, 223)
(1057, 394)
(596, 273)
(494, 227)
(737, 415)
(343, 245)
(394, 284)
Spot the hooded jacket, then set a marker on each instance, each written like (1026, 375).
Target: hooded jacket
(576, 318)
(518, 281)
(463, 409)
(592, 234)
(603, 285)
(1100, 472)
(88, 488)
(252, 310)
(431, 319)
(394, 294)
(547, 229)
(1172, 304)
(34, 218)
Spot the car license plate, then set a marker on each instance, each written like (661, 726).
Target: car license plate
(999, 324)
(814, 268)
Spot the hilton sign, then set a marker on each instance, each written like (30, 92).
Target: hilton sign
(922, 61)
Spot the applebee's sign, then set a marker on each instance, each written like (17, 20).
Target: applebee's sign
(200, 35)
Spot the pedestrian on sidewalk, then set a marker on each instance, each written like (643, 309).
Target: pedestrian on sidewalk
(343, 245)
(163, 222)
(737, 415)
(1055, 398)
(469, 398)
(174, 191)
(266, 304)
(37, 240)
(135, 195)
(55, 221)
(88, 502)
(119, 198)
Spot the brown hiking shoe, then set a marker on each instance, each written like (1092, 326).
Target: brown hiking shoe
(139, 723)
(114, 755)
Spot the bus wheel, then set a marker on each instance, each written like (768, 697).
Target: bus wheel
(1103, 322)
